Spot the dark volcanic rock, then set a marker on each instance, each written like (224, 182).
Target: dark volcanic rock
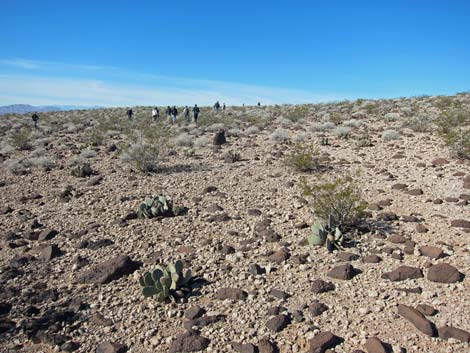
(460, 223)
(444, 273)
(432, 251)
(323, 341)
(231, 293)
(374, 345)
(219, 138)
(321, 286)
(403, 273)
(426, 310)
(344, 272)
(47, 234)
(189, 341)
(109, 270)
(417, 319)
(372, 259)
(280, 256)
(111, 347)
(278, 322)
(244, 347)
(49, 252)
(447, 332)
(317, 308)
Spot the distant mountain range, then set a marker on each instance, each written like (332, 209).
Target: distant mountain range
(26, 108)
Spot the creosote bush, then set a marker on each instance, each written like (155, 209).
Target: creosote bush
(340, 199)
(20, 138)
(279, 135)
(454, 129)
(303, 159)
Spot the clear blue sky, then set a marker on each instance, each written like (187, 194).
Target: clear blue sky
(163, 52)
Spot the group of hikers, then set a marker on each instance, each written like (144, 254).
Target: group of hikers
(172, 112)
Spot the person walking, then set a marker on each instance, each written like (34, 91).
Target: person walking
(216, 106)
(186, 114)
(174, 114)
(35, 118)
(168, 112)
(223, 107)
(130, 113)
(155, 114)
(196, 111)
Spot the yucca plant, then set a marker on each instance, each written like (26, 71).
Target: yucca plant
(160, 206)
(165, 283)
(328, 234)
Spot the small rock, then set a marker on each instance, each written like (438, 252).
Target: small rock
(321, 286)
(417, 319)
(194, 312)
(447, 332)
(403, 273)
(278, 322)
(460, 223)
(344, 272)
(323, 341)
(189, 341)
(47, 234)
(279, 256)
(244, 348)
(444, 273)
(317, 308)
(231, 293)
(374, 345)
(279, 294)
(111, 347)
(49, 252)
(372, 259)
(109, 270)
(427, 310)
(432, 251)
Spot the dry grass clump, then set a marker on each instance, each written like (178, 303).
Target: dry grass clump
(280, 135)
(389, 135)
(184, 140)
(252, 130)
(201, 142)
(342, 131)
(325, 126)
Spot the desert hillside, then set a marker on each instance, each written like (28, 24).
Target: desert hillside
(83, 231)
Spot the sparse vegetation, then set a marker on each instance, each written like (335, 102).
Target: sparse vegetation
(280, 135)
(454, 128)
(20, 138)
(303, 159)
(340, 199)
(165, 283)
(389, 135)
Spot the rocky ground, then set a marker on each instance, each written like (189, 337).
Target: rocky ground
(72, 248)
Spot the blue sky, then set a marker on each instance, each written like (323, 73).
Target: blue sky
(120, 53)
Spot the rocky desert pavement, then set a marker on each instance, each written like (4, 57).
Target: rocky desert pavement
(73, 247)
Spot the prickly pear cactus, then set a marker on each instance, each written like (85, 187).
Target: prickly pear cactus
(328, 234)
(160, 206)
(166, 282)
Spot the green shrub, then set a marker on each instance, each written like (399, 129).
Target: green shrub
(454, 128)
(303, 159)
(298, 113)
(340, 199)
(20, 138)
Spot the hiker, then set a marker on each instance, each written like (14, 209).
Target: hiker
(196, 111)
(35, 118)
(174, 114)
(216, 106)
(155, 113)
(168, 111)
(259, 104)
(223, 107)
(129, 114)
(186, 113)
